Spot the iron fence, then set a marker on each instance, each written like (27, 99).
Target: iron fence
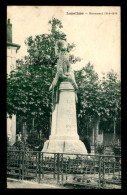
(107, 149)
(86, 171)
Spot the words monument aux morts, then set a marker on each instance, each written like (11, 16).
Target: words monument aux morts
(64, 137)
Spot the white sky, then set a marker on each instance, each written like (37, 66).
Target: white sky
(97, 37)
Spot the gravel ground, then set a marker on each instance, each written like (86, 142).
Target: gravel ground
(48, 182)
(13, 184)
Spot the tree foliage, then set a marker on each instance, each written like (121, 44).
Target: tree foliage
(28, 93)
(28, 85)
(98, 98)
(41, 49)
(111, 88)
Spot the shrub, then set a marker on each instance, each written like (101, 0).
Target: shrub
(116, 148)
(8, 142)
(99, 149)
(35, 143)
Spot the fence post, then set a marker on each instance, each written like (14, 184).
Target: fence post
(22, 166)
(101, 171)
(42, 165)
(39, 168)
(58, 168)
(66, 169)
(61, 168)
(54, 175)
(114, 163)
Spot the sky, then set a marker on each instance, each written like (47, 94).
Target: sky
(96, 32)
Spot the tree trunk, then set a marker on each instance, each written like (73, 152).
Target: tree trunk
(24, 131)
(114, 126)
(39, 135)
(96, 130)
(33, 125)
(50, 123)
(87, 128)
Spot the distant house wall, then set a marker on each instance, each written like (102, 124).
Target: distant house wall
(11, 122)
(11, 129)
(100, 138)
(11, 65)
(108, 137)
(11, 58)
(105, 138)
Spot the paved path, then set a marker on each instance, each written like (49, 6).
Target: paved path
(12, 184)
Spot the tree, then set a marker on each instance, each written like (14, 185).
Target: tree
(89, 109)
(28, 93)
(98, 99)
(41, 49)
(28, 85)
(111, 86)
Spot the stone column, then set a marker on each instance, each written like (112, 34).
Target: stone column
(64, 137)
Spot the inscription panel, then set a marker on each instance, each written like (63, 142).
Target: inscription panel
(66, 114)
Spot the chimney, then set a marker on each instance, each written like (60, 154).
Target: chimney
(9, 31)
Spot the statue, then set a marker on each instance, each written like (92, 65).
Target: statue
(64, 70)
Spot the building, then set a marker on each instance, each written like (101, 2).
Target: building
(12, 50)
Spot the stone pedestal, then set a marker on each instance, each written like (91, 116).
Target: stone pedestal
(64, 137)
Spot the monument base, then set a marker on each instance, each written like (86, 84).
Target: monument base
(64, 146)
(64, 137)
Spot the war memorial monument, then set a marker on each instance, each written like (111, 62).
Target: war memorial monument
(64, 136)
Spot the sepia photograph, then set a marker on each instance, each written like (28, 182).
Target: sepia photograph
(63, 97)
